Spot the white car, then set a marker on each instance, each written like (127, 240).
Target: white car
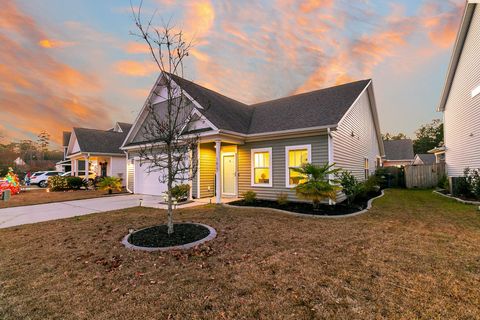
(41, 178)
(91, 175)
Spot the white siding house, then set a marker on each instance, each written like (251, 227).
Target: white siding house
(460, 101)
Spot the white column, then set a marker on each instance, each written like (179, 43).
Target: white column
(87, 167)
(330, 156)
(218, 189)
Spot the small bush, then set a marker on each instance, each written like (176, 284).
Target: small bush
(472, 179)
(282, 198)
(371, 185)
(443, 182)
(110, 183)
(75, 182)
(180, 191)
(58, 183)
(351, 186)
(249, 196)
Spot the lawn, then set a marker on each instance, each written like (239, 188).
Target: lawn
(414, 255)
(39, 196)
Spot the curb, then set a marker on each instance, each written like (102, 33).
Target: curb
(369, 206)
(477, 203)
(212, 235)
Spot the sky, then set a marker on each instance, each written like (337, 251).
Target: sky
(67, 64)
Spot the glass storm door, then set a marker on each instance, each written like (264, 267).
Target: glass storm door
(228, 181)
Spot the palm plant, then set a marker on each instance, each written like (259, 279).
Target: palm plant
(318, 184)
(110, 184)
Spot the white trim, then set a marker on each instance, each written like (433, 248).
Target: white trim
(218, 178)
(252, 167)
(235, 184)
(198, 171)
(287, 171)
(475, 92)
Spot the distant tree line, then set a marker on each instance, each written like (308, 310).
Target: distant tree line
(427, 137)
(36, 154)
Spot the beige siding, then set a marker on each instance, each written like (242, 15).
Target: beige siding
(319, 156)
(349, 152)
(207, 170)
(462, 112)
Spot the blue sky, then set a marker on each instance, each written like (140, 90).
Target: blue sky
(74, 63)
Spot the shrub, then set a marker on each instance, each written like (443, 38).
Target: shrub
(58, 183)
(249, 196)
(75, 182)
(443, 182)
(110, 183)
(351, 186)
(282, 198)
(180, 191)
(371, 185)
(472, 178)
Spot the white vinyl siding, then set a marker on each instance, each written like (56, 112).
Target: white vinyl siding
(319, 155)
(462, 111)
(355, 141)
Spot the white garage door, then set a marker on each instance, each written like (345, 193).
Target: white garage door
(147, 183)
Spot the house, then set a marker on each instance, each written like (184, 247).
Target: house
(19, 162)
(398, 153)
(255, 147)
(65, 165)
(424, 158)
(100, 149)
(439, 153)
(460, 99)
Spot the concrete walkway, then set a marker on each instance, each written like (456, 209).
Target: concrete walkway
(15, 216)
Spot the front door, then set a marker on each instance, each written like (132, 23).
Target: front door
(228, 174)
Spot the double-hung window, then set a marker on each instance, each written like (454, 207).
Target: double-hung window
(261, 167)
(295, 157)
(366, 169)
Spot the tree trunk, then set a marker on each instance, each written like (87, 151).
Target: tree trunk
(169, 194)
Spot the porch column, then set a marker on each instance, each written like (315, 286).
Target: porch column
(87, 166)
(218, 189)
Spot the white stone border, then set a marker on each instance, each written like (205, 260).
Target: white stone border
(369, 206)
(212, 235)
(458, 199)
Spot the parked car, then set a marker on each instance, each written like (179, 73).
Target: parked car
(40, 178)
(91, 175)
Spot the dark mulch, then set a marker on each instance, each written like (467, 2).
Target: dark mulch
(459, 196)
(158, 237)
(307, 208)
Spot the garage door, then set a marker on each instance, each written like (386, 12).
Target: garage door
(147, 183)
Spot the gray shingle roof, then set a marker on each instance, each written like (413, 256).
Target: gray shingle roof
(312, 109)
(125, 126)
(101, 141)
(66, 138)
(398, 149)
(427, 158)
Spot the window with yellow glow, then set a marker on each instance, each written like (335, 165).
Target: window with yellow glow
(261, 167)
(296, 156)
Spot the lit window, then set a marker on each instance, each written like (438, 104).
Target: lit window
(262, 167)
(366, 169)
(296, 156)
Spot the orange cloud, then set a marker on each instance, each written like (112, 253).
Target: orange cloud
(137, 47)
(135, 68)
(312, 5)
(48, 43)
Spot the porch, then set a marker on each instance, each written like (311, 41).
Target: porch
(98, 166)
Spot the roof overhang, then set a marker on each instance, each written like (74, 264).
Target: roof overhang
(457, 51)
(85, 154)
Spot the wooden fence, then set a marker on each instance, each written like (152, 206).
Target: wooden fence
(424, 176)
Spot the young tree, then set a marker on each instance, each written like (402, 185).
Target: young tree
(168, 140)
(429, 136)
(389, 136)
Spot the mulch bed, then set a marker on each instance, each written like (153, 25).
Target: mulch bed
(460, 196)
(307, 208)
(157, 236)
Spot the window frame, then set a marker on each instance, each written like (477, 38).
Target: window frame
(287, 167)
(366, 168)
(252, 167)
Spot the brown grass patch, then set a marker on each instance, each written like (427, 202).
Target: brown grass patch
(39, 196)
(414, 255)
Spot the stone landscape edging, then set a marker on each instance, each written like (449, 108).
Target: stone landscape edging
(211, 235)
(458, 199)
(369, 206)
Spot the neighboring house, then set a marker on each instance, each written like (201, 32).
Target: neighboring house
(19, 162)
(439, 153)
(100, 149)
(398, 153)
(460, 100)
(255, 147)
(65, 165)
(424, 158)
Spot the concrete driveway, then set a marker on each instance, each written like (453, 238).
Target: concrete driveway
(15, 216)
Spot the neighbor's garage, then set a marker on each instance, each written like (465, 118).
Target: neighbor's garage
(147, 183)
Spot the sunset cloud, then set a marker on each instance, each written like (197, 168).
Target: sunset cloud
(48, 43)
(135, 68)
(137, 47)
